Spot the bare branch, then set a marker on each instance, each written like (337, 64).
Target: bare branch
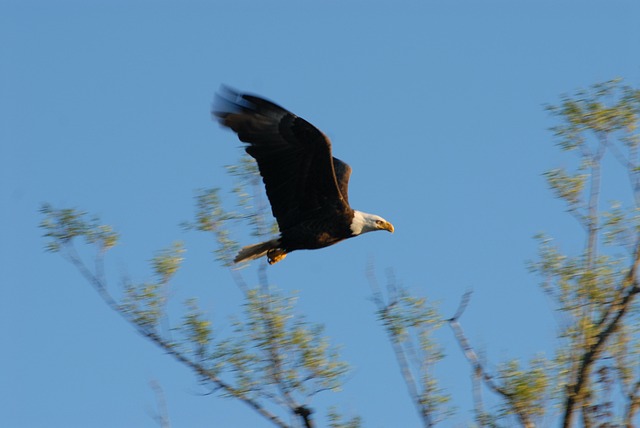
(466, 297)
(404, 316)
(275, 356)
(633, 405)
(478, 368)
(210, 376)
(162, 416)
(305, 414)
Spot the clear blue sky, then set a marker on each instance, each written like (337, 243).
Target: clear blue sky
(437, 106)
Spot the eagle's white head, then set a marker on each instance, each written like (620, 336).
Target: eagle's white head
(363, 222)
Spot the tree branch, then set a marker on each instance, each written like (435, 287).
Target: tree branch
(162, 416)
(208, 375)
(384, 309)
(275, 356)
(619, 309)
(99, 283)
(478, 368)
(305, 414)
(633, 406)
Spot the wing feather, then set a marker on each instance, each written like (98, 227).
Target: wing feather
(294, 157)
(343, 173)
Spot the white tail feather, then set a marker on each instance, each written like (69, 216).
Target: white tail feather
(252, 252)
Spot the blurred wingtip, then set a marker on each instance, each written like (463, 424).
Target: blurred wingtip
(225, 101)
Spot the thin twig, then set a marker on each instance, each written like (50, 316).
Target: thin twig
(397, 345)
(477, 367)
(633, 405)
(162, 417)
(466, 297)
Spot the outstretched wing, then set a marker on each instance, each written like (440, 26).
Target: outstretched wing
(293, 156)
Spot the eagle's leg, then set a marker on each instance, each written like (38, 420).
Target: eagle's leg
(275, 255)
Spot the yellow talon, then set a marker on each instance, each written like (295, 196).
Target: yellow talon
(275, 255)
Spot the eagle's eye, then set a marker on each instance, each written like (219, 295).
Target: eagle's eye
(379, 222)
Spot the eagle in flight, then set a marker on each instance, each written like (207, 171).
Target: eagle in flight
(306, 186)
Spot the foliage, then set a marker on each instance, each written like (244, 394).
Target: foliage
(273, 361)
(64, 225)
(145, 302)
(595, 289)
(273, 351)
(276, 362)
(525, 387)
(410, 323)
(197, 330)
(211, 218)
(336, 420)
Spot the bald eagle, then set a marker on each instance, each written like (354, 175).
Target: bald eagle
(306, 186)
